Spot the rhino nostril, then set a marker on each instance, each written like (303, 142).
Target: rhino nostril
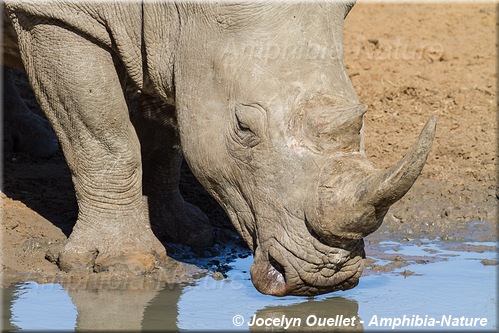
(277, 266)
(267, 276)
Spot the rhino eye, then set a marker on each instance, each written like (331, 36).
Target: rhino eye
(245, 134)
(249, 125)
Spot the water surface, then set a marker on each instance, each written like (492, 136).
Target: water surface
(457, 289)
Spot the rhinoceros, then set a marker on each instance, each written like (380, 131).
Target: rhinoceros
(255, 96)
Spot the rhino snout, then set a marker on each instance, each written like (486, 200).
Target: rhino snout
(280, 270)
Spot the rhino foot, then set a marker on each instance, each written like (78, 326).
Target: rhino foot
(92, 261)
(196, 231)
(130, 254)
(177, 221)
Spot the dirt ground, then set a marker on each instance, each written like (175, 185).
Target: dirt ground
(407, 62)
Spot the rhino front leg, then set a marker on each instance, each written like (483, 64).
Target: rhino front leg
(77, 86)
(172, 218)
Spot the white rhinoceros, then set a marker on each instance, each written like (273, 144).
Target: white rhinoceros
(259, 98)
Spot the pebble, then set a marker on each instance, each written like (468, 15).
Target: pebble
(218, 276)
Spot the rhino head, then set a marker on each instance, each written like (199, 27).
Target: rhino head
(271, 126)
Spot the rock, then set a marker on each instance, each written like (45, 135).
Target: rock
(406, 272)
(489, 262)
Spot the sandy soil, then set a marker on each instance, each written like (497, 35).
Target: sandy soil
(407, 62)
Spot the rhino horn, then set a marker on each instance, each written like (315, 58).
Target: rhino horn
(353, 196)
(388, 186)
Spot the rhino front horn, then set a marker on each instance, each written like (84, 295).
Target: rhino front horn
(390, 185)
(353, 197)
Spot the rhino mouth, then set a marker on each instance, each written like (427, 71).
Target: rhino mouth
(283, 268)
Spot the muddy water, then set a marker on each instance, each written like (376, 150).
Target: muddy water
(445, 286)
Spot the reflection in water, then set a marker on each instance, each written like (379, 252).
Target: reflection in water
(446, 287)
(114, 306)
(162, 312)
(9, 296)
(333, 314)
(91, 306)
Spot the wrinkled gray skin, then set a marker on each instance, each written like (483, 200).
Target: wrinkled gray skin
(267, 118)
